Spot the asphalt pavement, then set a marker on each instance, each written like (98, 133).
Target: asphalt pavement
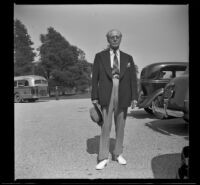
(56, 139)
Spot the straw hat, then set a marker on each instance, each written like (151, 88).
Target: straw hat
(96, 114)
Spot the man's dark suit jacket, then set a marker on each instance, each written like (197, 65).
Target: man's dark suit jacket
(102, 79)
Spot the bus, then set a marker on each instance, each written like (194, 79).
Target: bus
(29, 88)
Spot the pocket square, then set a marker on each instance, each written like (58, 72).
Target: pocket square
(129, 64)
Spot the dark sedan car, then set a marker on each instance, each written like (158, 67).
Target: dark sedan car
(183, 170)
(153, 79)
(175, 99)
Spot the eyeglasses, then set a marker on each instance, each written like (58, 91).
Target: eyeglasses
(113, 37)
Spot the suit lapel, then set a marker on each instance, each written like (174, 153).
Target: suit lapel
(123, 64)
(106, 62)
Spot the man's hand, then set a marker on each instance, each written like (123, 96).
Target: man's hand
(95, 101)
(133, 104)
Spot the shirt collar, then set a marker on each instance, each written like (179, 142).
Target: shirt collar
(111, 52)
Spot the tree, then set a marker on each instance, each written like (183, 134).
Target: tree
(23, 52)
(55, 53)
(82, 80)
(62, 63)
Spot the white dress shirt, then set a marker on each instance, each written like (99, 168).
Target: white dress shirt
(112, 57)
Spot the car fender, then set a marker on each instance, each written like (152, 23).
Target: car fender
(150, 98)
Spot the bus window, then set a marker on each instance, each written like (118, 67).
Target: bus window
(15, 83)
(40, 82)
(26, 83)
(23, 83)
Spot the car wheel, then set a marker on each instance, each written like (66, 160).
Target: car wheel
(148, 110)
(18, 98)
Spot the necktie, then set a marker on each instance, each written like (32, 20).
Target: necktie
(115, 64)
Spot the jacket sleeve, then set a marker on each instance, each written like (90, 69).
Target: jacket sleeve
(134, 81)
(95, 79)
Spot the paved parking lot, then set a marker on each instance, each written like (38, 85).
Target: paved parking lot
(57, 139)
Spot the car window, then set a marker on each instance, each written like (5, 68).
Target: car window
(179, 73)
(166, 75)
(154, 75)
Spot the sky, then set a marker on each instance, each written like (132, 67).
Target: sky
(150, 33)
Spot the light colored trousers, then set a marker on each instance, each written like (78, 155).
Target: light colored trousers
(119, 119)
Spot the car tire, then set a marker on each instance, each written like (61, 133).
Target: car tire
(18, 98)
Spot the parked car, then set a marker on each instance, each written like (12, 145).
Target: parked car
(183, 170)
(153, 79)
(175, 99)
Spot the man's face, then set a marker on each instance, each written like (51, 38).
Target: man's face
(114, 39)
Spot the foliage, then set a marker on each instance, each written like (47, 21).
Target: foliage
(23, 52)
(61, 63)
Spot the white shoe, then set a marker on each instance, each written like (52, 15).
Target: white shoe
(102, 164)
(121, 160)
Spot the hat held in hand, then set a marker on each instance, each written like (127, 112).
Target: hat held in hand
(96, 114)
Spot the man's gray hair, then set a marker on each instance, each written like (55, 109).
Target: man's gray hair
(109, 33)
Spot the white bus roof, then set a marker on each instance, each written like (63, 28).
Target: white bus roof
(29, 76)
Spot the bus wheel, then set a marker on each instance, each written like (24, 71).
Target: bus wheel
(18, 98)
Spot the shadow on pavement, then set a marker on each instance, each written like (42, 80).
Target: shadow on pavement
(40, 101)
(37, 101)
(175, 126)
(166, 166)
(93, 145)
(140, 114)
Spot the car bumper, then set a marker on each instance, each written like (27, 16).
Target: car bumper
(167, 112)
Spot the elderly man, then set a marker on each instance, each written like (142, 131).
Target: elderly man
(114, 87)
